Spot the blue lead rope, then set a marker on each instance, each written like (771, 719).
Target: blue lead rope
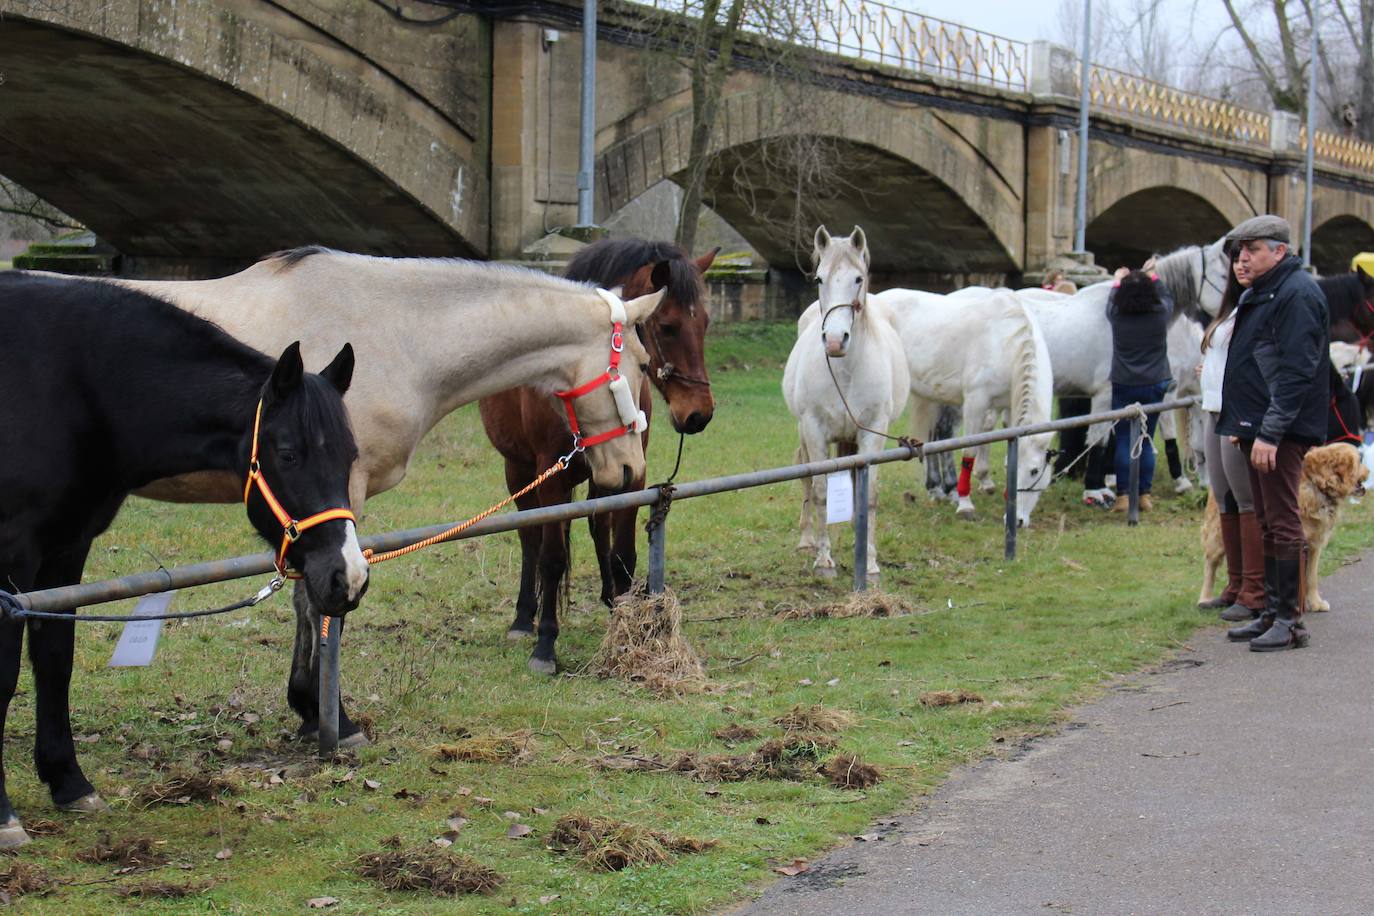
(16, 611)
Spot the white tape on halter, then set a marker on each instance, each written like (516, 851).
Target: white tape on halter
(616, 306)
(630, 414)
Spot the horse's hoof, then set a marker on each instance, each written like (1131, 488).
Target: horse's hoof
(515, 635)
(357, 739)
(542, 666)
(13, 835)
(1182, 485)
(967, 515)
(825, 572)
(86, 804)
(987, 486)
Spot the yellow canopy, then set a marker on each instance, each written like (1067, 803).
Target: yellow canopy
(1364, 259)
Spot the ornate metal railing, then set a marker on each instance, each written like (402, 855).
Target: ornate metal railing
(1343, 152)
(884, 34)
(1140, 99)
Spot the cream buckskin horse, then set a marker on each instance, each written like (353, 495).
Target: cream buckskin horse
(857, 338)
(431, 335)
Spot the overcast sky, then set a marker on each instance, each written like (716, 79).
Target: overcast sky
(1028, 21)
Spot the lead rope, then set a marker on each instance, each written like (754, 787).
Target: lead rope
(1138, 446)
(916, 446)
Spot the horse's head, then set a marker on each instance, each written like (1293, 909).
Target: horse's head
(610, 405)
(305, 451)
(675, 336)
(842, 272)
(1216, 266)
(1034, 472)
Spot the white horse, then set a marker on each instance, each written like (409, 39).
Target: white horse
(847, 353)
(431, 335)
(984, 354)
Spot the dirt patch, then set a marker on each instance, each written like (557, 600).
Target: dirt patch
(130, 851)
(869, 603)
(734, 733)
(184, 788)
(609, 845)
(949, 697)
(815, 719)
(644, 644)
(487, 749)
(161, 890)
(24, 878)
(430, 870)
(845, 771)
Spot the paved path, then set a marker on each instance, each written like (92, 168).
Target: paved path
(1228, 782)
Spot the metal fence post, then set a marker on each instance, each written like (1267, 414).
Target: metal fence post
(331, 633)
(861, 528)
(656, 535)
(1013, 457)
(1133, 516)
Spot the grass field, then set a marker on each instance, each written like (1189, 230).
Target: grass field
(427, 661)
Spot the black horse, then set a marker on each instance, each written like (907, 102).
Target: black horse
(1348, 301)
(103, 390)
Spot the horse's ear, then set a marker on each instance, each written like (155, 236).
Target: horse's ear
(860, 242)
(286, 375)
(660, 275)
(704, 262)
(639, 309)
(818, 245)
(339, 372)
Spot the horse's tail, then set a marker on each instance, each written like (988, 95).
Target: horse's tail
(1029, 374)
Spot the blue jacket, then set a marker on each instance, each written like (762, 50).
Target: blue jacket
(1275, 386)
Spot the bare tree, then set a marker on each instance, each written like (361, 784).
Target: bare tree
(30, 213)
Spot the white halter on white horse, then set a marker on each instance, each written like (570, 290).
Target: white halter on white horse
(847, 353)
(984, 354)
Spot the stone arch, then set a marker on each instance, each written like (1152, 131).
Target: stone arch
(920, 185)
(216, 133)
(1337, 240)
(1153, 220)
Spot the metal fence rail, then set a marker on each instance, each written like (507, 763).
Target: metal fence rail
(73, 596)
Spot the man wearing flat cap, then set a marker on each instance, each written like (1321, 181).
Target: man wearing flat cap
(1274, 406)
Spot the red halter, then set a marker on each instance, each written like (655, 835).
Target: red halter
(632, 419)
(291, 528)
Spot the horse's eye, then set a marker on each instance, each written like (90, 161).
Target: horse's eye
(858, 280)
(287, 456)
(668, 330)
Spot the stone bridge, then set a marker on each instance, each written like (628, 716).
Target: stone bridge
(196, 135)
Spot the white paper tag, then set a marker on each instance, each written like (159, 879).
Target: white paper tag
(839, 498)
(138, 643)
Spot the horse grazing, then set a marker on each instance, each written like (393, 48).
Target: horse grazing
(106, 390)
(847, 353)
(529, 429)
(984, 354)
(432, 334)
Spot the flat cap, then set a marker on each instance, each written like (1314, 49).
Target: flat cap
(1264, 226)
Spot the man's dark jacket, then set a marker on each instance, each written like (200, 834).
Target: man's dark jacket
(1275, 385)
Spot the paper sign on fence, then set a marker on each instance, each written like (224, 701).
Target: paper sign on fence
(839, 498)
(138, 642)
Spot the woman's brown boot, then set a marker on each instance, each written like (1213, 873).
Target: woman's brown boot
(1250, 599)
(1231, 542)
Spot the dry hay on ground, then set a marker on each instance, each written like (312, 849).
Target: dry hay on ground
(815, 718)
(777, 758)
(23, 878)
(39, 827)
(735, 733)
(610, 845)
(949, 697)
(130, 851)
(435, 870)
(182, 788)
(869, 603)
(845, 771)
(644, 643)
(161, 890)
(488, 749)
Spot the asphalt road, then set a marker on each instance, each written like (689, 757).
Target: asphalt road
(1226, 782)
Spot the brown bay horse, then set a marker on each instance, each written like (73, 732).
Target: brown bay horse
(528, 427)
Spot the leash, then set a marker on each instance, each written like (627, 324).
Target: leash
(16, 611)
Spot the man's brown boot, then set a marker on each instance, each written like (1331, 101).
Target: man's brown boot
(1251, 599)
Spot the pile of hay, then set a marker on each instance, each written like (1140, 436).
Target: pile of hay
(131, 851)
(644, 643)
(815, 718)
(609, 845)
(161, 890)
(734, 733)
(431, 870)
(868, 603)
(845, 771)
(488, 749)
(23, 878)
(183, 788)
(949, 697)
(777, 758)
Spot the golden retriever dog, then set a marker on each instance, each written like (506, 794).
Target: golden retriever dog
(1330, 475)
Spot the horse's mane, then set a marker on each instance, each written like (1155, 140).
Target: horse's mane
(1178, 269)
(613, 261)
(1344, 293)
(1025, 366)
(469, 270)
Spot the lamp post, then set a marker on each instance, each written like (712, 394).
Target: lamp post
(1080, 230)
(587, 156)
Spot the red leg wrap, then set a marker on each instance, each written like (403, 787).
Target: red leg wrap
(965, 486)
